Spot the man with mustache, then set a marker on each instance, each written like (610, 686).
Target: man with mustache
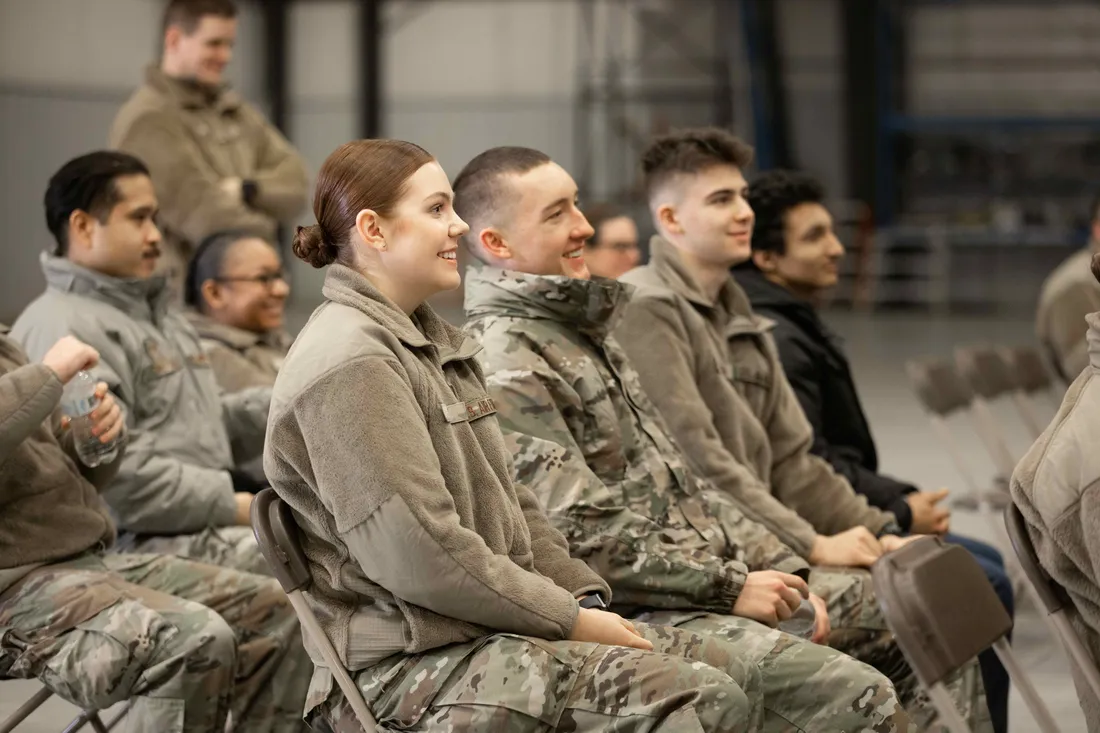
(177, 491)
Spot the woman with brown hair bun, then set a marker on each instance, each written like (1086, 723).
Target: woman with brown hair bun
(440, 582)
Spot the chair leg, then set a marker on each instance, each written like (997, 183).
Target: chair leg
(25, 710)
(86, 717)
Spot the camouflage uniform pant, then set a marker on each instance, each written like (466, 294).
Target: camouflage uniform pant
(690, 682)
(190, 644)
(514, 684)
(803, 686)
(859, 629)
(226, 547)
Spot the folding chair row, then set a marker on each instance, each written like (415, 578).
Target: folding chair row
(976, 377)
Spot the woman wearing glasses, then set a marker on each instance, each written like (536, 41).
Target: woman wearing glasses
(237, 292)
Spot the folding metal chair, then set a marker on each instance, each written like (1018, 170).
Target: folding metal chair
(943, 393)
(1032, 378)
(943, 613)
(1053, 598)
(989, 377)
(277, 534)
(86, 717)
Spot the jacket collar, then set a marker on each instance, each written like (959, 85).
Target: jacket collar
(1093, 320)
(233, 337)
(593, 307)
(730, 311)
(145, 298)
(782, 303)
(424, 328)
(191, 94)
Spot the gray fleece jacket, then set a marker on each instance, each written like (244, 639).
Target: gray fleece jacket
(184, 435)
(1057, 488)
(384, 442)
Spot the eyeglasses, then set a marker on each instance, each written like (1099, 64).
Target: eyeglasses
(267, 279)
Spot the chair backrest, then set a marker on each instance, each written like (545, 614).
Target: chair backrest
(985, 370)
(1052, 595)
(1028, 370)
(938, 386)
(277, 533)
(923, 589)
(278, 536)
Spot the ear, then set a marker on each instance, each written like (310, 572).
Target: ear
(667, 220)
(369, 227)
(172, 36)
(212, 294)
(765, 260)
(81, 227)
(493, 242)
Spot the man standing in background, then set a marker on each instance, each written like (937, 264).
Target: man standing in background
(216, 163)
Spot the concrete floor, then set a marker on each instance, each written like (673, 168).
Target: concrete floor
(879, 347)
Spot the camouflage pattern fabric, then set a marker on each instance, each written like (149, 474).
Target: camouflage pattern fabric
(189, 644)
(226, 547)
(595, 450)
(834, 691)
(690, 682)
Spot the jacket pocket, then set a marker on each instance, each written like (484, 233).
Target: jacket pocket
(749, 374)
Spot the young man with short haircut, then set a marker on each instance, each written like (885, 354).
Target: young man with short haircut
(710, 365)
(795, 258)
(177, 489)
(217, 164)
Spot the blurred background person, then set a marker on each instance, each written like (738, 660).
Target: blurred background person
(215, 160)
(613, 250)
(236, 291)
(1069, 294)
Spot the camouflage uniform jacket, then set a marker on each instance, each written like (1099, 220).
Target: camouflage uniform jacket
(591, 445)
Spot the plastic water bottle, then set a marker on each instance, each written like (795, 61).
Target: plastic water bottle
(801, 623)
(77, 403)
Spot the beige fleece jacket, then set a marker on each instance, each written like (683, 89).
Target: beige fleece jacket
(714, 372)
(383, 440)
(1057, 488)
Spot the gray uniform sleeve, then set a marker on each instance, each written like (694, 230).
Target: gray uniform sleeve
(245, 416)
(152, 492)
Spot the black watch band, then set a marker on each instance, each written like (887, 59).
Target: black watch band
(592, 600)
(249, 191)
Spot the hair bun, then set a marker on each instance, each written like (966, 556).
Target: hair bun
(310, 246)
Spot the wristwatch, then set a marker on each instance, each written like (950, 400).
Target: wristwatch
(592, 600)
(890, 528)
(249, 191)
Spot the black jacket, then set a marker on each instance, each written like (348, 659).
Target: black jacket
(818, 371)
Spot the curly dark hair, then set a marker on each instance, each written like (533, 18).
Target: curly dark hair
(691, 151)
(771, 196)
